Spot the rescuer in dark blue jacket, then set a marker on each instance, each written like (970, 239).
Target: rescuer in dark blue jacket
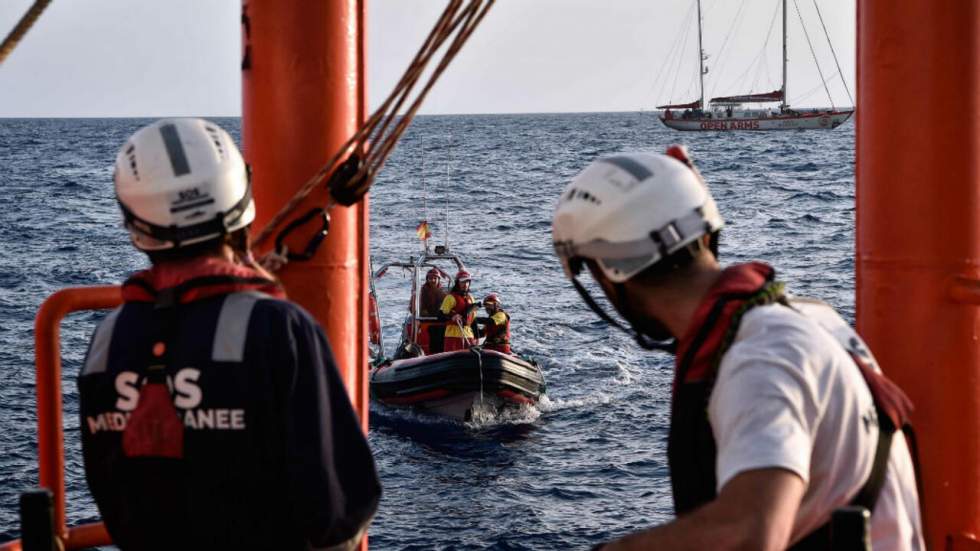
(212, 414)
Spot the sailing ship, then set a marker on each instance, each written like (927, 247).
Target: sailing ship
(728, 113)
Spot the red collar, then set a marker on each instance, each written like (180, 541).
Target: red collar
(197, 279)
(707, 329)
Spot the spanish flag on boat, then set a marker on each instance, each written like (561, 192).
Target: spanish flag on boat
(423, 230)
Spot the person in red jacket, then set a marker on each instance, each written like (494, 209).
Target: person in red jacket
(432, 294)
(459, 309)
(496, 327)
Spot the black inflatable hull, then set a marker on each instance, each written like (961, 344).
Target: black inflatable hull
(451, 383)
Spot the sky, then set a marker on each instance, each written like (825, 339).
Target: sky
(111, 58)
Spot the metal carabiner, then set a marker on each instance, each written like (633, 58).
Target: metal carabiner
(314, 243)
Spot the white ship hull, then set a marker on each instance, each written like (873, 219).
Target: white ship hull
(822, 121)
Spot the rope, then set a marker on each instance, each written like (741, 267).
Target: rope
(673, 87)
(831, 44)
(806, 95)
(479, 363)
(350, 172)
(741, 79)
(669, 59)
(814, 54)
(720, 58)
(21, 28)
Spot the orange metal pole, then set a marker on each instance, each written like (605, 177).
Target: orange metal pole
(303, 96)
(47, 352)
(918, 236)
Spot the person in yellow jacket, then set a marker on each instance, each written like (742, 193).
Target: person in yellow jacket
(459, 309)
(496, 327)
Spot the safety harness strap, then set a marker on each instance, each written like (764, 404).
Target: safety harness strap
(641, 339)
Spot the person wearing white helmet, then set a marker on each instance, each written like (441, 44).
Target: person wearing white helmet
(780, 416)
(212, 414)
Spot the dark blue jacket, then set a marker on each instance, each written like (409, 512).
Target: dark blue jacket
(274, 457)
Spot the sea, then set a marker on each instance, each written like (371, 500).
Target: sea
(588, 463)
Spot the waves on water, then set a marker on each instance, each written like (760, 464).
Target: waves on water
(589, 461)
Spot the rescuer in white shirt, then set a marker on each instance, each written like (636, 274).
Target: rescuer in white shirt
(780, 415)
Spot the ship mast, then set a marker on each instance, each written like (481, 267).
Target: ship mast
(701, 58)
(783, 106)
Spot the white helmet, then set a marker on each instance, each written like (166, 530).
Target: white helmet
(180, 182)
(629, 211)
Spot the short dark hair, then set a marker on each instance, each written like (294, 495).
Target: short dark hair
(677, 264)
(238, 240)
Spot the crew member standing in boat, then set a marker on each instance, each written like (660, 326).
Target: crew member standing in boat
(212, 414)
(459, 309)
(432, 294)
(779, 414)
(430, 300)
(496, 326)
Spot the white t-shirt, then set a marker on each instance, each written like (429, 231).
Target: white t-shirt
(788, 395)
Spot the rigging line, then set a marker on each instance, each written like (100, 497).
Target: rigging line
(440, 31)
(674, 62)
(425, 192)
(831, 44)
(680, 54)
(813, 53)
(772, 22)
(763, 66)
(468, 18)
(476, 11)
(455, 24)
(449, 166)
(806, 95)
(670, 56)
(690, 85)
(20, 29)
(719, 68)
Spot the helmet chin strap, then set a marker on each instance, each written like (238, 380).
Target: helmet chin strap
(645, 342)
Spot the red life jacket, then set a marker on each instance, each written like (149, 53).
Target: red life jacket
(463, 307)
(196, 279)
(498, 336)
(154, 428)
(691, 447)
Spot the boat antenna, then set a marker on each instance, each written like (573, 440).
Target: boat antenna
(425, 194)
(449, 166)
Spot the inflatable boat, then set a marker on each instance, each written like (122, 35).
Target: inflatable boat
(453, 383)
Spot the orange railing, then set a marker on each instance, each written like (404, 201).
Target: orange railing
(51, 440)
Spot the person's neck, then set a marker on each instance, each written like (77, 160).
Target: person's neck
(224, 253)
(675, 305)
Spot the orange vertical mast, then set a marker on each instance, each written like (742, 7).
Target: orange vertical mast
(303, 96)
(918, 236)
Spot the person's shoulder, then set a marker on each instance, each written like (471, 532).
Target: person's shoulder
(774, 318)
(778, 331)
(500, 317)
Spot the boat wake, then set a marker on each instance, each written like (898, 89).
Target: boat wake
(548, 405)
(488, 415)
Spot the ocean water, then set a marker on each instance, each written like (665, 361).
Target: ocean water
(589, 462)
